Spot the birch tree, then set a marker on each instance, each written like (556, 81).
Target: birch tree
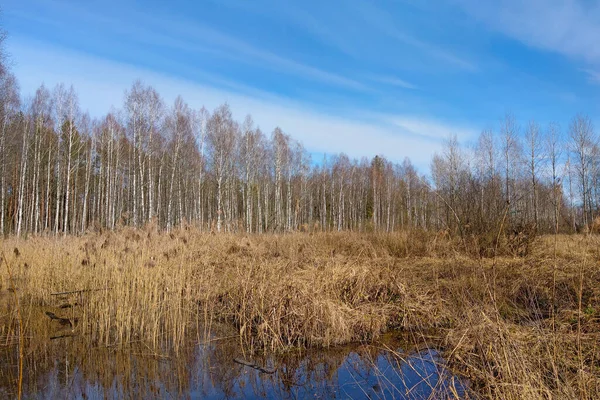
(554, 150)
(71, 110)
(9, 106)
(582, 141)
(509, 148)
(221, 142)
(534, 149)
(179, 125)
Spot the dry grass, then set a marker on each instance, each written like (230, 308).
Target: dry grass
(518, 327)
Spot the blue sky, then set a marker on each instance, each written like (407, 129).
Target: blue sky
(393, 77)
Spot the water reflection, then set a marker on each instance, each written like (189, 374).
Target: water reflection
(350, 372)
(67, 369)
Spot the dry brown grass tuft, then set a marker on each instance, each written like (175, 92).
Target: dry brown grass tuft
(518, 327)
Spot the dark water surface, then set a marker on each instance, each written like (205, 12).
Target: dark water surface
(67, 369)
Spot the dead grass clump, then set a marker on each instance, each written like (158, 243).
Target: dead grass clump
(280, 306)
(348, 245)
(502, 360)
(358, 285)
(595, 226)
(414, 243)
(513, 240)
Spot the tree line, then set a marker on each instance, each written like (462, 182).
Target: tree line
(64, 172)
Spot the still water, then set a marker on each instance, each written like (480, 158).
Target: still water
(66, 369)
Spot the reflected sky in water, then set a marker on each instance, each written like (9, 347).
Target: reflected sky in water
(387, 376)
(70, 370)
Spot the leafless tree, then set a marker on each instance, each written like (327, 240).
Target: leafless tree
(535, 158)
(583, 140)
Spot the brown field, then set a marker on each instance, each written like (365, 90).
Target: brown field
(517, 326)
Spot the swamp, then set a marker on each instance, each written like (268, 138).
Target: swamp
(186, 314)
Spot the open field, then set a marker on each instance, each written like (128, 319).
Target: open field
(516, 326)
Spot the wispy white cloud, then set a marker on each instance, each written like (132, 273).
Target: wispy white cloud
(196, 37)
(393, 81)
(353, 28)
(568, 27)
(381, 20)
(101, 84)
(229, 46)
(593, 75)
(432, 128)
(332, 25)
(325, 31)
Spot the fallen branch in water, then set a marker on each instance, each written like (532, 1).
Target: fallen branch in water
(265, 370)
(63, 321)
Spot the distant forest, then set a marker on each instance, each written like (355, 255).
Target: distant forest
(64, 172)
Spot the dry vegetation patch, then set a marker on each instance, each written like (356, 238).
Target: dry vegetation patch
(519, 327)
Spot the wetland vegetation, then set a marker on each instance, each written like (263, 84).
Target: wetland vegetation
(505, 327)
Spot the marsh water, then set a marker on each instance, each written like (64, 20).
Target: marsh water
(67, 368)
